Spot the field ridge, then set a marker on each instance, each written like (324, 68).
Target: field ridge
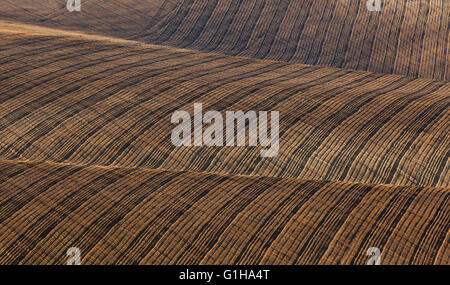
(119, 100)
(409, 38)
(239, 220)
(86, 157)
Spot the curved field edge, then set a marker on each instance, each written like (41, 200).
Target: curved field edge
(117, 18)
(142, 216)
(409, 38)
(82, 100)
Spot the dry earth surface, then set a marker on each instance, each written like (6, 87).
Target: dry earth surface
(86, 157)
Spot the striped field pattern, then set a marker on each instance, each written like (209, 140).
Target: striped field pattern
(119, 18)
(135, 216)
(408, 37)
(111, 105)
(86, 157)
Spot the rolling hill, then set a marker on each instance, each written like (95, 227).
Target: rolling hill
(141, 216)
(86, 157)
(406, 37)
